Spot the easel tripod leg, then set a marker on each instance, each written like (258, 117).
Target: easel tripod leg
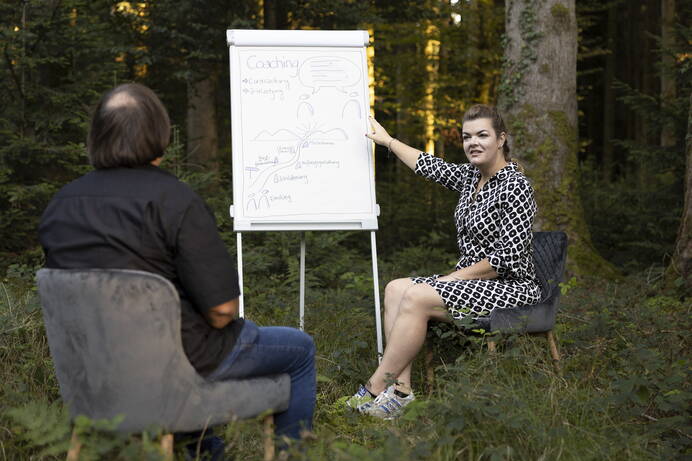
(241, 300)
(376, 289)
(302, 281)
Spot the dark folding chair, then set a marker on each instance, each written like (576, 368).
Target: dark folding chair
(114, 336)
(549, 256)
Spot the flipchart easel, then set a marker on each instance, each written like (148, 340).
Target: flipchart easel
(280, 79)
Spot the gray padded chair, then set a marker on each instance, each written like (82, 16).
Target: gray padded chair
(549, 256)
(114, 336)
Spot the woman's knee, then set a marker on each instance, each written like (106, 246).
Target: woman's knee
(395, 289)
(419, 299)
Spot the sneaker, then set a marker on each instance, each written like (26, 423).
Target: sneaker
(387, 405)
(362, 407)
(359, 398)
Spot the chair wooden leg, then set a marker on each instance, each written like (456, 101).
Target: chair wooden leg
(429, 370)
(167, 447)
(553, 349)
(269, 438)
(75, 447)
(491, 346)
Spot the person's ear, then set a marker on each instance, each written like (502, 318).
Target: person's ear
(502, 138)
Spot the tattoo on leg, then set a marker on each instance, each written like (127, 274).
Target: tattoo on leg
(390, 380)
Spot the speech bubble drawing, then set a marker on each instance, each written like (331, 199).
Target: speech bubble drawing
(328, 71)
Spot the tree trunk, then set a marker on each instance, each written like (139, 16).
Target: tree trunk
(202, 132)
(668, 89)
(432, 61)
(538, 96)
(681, 265)
(275, 14)
(609, 96)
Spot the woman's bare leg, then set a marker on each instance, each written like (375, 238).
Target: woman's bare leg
(393, 294)
(418, 305)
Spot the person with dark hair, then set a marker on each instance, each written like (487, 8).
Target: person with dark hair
(130, 214)
(494, 218)
(130, 128)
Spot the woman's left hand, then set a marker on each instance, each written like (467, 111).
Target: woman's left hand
(378, 133)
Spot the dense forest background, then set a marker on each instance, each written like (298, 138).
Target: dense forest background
(432, 59)
(596, 94)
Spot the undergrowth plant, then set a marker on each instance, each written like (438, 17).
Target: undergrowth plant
(624, 392)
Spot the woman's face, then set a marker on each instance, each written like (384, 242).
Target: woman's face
(482, 146)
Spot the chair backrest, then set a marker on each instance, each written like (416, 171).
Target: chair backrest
(549, 257)
(114, 336)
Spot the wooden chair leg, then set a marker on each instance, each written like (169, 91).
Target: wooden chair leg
(167, 446)
(553, 349)
(75, 447)
(429, 370)
(491, 346)
(269, 438)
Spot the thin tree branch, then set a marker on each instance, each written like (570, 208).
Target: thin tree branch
(40, 36)
(14, 74)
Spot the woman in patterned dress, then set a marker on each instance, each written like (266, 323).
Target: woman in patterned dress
(494, 217)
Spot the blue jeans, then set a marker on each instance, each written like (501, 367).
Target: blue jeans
(262, 351)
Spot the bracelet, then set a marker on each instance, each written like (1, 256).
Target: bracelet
(389, 146)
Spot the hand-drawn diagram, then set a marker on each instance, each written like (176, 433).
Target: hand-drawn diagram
(313, 133)
(305, 111)
(351, 110)
(255, 202)
(258, 184)
(303, 150)
(328, 71)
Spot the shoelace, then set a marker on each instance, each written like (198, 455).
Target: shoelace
(389, 406)
(384, 395)
(377, 400)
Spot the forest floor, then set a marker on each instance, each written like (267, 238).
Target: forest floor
(623, 393)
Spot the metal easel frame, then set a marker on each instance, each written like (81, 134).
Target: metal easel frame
(375, 280)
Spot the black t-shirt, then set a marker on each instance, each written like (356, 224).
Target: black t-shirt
(144, 218)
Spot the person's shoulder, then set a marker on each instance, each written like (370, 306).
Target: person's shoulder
(76, 186)
(147, 183)
(169, 180)
(172, 192)
(156, 181)
(515, 174)
(513, 179)
(519, 178)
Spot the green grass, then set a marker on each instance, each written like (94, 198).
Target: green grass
(624, 392)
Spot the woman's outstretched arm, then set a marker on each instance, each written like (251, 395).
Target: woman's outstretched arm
(405, 153)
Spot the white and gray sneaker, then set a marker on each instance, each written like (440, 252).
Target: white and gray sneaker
(367, 402)
(387, 405)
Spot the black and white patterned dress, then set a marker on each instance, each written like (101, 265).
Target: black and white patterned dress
(496, 226)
